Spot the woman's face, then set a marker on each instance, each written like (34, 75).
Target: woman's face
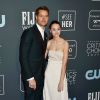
(55, 30)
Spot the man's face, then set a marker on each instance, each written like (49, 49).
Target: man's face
(42, 18)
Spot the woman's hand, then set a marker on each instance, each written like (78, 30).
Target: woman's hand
(60, 86)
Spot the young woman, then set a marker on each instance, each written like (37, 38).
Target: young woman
(55, 84)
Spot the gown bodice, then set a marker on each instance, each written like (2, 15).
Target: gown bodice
(55, 55)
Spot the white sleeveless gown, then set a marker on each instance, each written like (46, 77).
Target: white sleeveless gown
(52, 77)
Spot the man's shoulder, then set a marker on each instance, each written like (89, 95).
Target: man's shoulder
(27, 32)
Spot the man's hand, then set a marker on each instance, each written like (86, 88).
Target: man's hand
(32, 84)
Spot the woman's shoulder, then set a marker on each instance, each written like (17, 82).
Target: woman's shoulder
(49, 41)
(65, 42)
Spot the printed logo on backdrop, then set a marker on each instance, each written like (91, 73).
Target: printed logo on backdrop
(2, 85)
(2, 20)
(92, 74)
(94, 96)
(93, 48)
(94, 20)
(67, 18)
(71, 76)
(74, 98)
(28, 19)
(72, 49)
(21, 85)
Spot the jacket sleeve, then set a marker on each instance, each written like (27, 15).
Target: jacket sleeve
(24, 50)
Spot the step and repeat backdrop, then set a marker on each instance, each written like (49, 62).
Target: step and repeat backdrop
(80, 21)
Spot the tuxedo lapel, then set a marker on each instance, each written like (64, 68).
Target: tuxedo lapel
(44, 42)
(38, 33)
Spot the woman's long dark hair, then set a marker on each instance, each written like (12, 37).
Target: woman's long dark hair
(53, 22)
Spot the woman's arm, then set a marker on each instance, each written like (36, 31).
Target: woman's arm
(64, 61)
(63, 69)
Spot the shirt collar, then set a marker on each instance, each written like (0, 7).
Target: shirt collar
(40, 28)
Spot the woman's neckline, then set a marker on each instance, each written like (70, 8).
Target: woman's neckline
(56, 51)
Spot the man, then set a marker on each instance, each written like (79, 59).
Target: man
(32, 55)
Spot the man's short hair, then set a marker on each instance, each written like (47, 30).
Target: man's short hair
(41, 8)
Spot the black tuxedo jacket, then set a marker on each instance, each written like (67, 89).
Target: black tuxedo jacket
(31, 54)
